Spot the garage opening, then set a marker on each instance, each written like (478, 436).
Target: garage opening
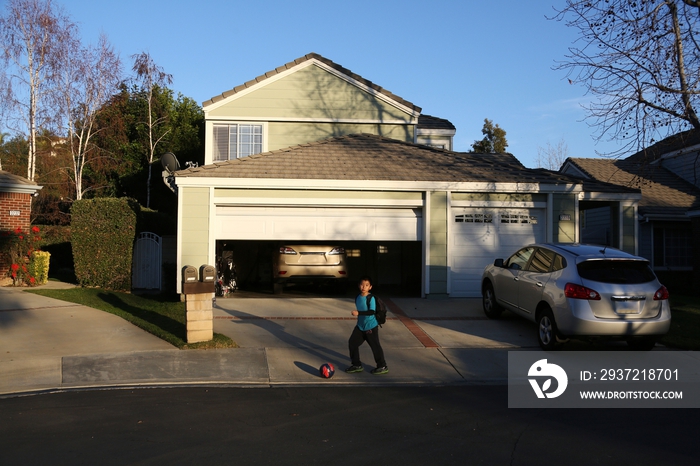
(395, 267)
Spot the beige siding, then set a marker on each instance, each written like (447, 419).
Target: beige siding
(310, 92)
(564, 230)
(628, 224)
(283, 135)
(437, 249)
(195, 226)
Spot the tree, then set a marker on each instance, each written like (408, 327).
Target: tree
(34, 35)
(552, 157)
(641, 61)
(122, 137)
(494, 139)
(87, 80)
(151, 76)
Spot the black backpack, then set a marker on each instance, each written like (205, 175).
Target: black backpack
(380, 309)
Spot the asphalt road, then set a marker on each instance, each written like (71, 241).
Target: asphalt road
(332, 425)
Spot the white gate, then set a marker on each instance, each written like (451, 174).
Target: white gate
(147, 263)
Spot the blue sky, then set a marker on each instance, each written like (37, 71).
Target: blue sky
(463, 60)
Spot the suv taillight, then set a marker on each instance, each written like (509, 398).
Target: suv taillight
(286, 250)
(661, 294)
(572, 290)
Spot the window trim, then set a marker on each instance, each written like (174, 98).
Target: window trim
(210, 142)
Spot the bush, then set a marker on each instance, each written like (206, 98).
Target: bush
(102, 236)
(39, 267)
(19, 246)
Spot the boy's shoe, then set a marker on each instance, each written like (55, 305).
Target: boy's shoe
(380, 370)
(353, 369)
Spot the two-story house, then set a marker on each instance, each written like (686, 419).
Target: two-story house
(312, 152)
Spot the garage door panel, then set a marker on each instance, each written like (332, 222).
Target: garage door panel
(474, 245)
(317, 224)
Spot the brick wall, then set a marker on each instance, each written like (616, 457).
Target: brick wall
(13, 202)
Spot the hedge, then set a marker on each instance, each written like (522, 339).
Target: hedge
(102, 237)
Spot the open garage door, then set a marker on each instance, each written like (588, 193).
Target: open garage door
(318, 224)
(480, 235)
(384, 243)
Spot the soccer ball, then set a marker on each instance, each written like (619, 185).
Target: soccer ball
(327, 370)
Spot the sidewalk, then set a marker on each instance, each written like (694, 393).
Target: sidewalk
(49, 344)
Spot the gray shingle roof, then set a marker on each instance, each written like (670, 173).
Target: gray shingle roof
(371, 157)
(300, 60)
(7, 179)
(663, 192)
(431, 122)
(672, 143)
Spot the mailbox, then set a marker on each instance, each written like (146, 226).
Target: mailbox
(189, 274)
(207, 273)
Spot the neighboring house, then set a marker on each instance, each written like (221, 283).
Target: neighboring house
(15, 208)
(669, 210)
(312, 152)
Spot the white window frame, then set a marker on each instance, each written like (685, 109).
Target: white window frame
(237, 124)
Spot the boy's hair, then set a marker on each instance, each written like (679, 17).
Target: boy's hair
(365, 278)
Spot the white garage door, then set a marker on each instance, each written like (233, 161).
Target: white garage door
(478, 236)
(313, 224)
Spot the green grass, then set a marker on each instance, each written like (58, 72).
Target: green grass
(685, 323)
(161, 316)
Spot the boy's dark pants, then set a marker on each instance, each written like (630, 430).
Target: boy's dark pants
(372, 338)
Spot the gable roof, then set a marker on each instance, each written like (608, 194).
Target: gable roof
(301, 60)
(677, 142)
(372, 157)
(664, 194)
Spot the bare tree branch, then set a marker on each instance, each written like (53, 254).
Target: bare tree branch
(151, 75)
(641, 61)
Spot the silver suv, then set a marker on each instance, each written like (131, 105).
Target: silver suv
(579, 290)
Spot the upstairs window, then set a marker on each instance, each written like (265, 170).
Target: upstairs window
(237, 141)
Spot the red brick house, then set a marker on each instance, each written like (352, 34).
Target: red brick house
(15, 206)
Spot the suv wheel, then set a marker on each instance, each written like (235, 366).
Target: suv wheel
(491, 308)
(547, 330)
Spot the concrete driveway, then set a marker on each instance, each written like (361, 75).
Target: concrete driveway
(50, 344)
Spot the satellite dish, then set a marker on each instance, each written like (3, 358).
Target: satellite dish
(170, 165)
(169, 162)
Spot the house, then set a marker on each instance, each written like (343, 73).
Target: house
(15, 208)
(669, 211)
(313, 152)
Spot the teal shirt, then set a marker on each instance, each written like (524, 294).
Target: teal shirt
(365, 323)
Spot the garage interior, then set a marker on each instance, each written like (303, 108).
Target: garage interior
(394, 266)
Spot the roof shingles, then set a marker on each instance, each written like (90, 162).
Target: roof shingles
(371, 157)
(663, 192)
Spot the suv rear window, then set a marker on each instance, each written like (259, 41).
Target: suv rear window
(616, 271)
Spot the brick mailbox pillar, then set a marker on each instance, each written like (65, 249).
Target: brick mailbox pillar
(199, 314)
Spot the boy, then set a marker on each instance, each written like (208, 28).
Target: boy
(367, 330)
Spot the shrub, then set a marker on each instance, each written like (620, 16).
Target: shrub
(39, 267)
(102, 237)
(19, 246)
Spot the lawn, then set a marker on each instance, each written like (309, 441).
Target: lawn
(162, 316)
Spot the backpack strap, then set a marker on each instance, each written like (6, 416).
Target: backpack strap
(369, 301)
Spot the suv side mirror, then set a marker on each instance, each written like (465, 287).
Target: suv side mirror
(498, 263)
